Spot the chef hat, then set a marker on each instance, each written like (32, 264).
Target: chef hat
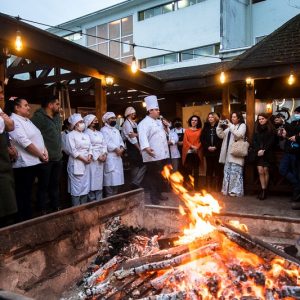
(88, 119)
(129, 110)
(107, 116)
(74, 119)
(151, 102)
(297, 109)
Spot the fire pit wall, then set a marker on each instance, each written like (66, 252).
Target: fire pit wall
(40, 258)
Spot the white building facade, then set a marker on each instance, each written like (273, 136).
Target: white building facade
(194, 31)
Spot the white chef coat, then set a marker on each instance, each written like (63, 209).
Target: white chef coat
(152, 134)
(173, 138)
(64, 134)
(78, 143)
(113, 166)
(127, 128)
(2, 125)
(99, 148)
(24, 134)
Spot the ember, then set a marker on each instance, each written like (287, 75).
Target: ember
(210, 260)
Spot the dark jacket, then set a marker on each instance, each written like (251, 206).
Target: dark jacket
(264, 140)
(293, 129)
(51, 132)
(209, 138)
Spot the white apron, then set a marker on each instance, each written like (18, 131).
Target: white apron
(96, 167)
(113, 166)
(78, 143)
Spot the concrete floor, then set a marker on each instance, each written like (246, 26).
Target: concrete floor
(273, 206)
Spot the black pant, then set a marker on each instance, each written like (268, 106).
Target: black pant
(213, 167)
(191, 165)
(156, 180)
(48, 184)
(24, 178)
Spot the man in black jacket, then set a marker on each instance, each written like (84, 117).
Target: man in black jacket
(290, 163)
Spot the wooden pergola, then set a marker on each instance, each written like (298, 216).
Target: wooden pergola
(47, 60)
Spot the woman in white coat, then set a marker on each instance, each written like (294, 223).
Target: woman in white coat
(174, 151)
(80, 157)
(233, 184)
(99, 152)
(113, 166)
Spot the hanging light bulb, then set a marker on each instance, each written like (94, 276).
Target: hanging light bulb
(291, 79)
(134, 66)
(18, 41)
(222, 77)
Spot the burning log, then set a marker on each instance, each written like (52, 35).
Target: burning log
(176, 261)
(181, 295)
(291, 291)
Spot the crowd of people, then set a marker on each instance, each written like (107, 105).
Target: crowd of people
(92, 157)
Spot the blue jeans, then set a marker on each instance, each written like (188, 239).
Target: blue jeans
(289, 168)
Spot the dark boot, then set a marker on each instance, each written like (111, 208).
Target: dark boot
(263, 194)
(259, 194)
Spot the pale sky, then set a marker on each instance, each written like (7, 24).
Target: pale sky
(52, 12)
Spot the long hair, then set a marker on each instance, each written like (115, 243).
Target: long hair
(199, 124)
(269, 125)
(11, 104)
(239, 116)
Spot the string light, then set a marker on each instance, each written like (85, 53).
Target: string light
(134, 65)
(18, 41)
(222, 77)
(109, 80)
(291, 79)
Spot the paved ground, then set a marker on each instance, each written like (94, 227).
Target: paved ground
(272, 206)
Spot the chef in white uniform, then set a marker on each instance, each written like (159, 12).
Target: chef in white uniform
(80, 157)
(113, 166)
(99, 152)
(154, 145)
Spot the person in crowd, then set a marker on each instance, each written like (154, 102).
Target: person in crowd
(290, 163)
(99, 152)
(113, 166)
(191, 149)
(177, 127)
(211, 144)
(154, 146)
(278, 121)
(66, 128)
(129, 132)
(263, 144)
(29, 142)
(175, 156)
(8, 205)
(47, 120)
(233, 182)
(80, 157)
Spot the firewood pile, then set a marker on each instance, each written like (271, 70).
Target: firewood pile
(207, 260)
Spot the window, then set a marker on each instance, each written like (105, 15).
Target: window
(170, 58)
(73, 37)
(106, 39)
(209, 50)
(256, 1)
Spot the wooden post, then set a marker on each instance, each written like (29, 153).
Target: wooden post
(250, 110)
(2, 78)
(226, 101)
(100, 99)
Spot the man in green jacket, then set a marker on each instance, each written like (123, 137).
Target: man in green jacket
(48, 121)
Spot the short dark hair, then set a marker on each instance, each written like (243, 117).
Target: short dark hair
(199, 124)
(11, 103)
(48, 99)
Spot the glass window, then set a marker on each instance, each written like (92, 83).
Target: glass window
(127, 49)
(141, 15)
(149, 13)
(187, 55)
(114, 29)
(217, 49)
(157, 11)
(142, 63)
(207, 50)
(114, 49)
(95, 48)
(102, 31)
(103, 48)
(73, 37)
(170, 58)
(91, 40)
(154, 61)
(127, 26)
(183, 3)
(167, 8)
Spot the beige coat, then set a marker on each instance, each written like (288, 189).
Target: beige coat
(237, 132)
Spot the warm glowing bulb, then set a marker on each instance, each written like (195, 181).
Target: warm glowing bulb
(144, 104)
(109, 80)
(222, 77)
(291, 79)
(134, 66)
(18, 41)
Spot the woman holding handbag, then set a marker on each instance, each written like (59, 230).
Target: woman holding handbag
(263, 143)
(233, 165)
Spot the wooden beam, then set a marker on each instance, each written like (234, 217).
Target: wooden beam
(250, 111)
(25, 69)
(100, 100)
(2, 77)
(226, 101)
